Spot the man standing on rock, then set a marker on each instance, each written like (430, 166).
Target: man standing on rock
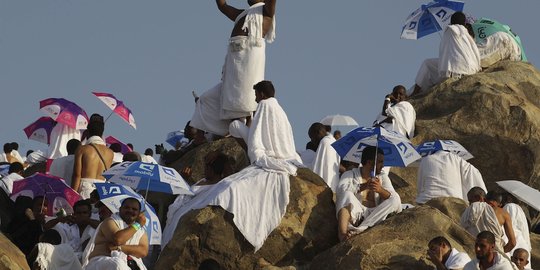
(244, 66)
(363, 200)
(487, 256)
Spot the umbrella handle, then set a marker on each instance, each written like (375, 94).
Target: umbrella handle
(108, 116)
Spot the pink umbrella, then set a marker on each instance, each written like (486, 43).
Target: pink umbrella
(40, 130)
(117, 106)
(57, 193)
(64, 111)
(125, 149)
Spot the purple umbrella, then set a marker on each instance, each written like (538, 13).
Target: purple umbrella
(117, 106)
(56, 192)
(125, 149)
(65, 112)
(40, 130)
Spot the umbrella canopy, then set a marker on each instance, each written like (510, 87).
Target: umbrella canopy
(430, 147)
(4, 170)
(56, 192)
(398, 150)
(527, 194)
(117, 106)
(40, 130)
(64, 111)
(174, 137)
(124, 147)
(147, 176)
(430, 18)
(338, 120)
(485, 27)
(112, 195)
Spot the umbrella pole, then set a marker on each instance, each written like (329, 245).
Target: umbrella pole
(147, 187)
(375, 164)
(108, 116)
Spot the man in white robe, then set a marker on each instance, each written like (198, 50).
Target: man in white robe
(50, 253)
(60, 135)
(273, 157)
(363, 200)
(487, 255)
(445, 257)
(520, 226)
(14, 174)
(497, 47)
(444, 174)
(63, 166)
(398, 114)
(326, 161)
(480, 216)
(119, 240)
(458, 56)
(244, 66)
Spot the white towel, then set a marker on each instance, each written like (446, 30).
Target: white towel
(457, 260)
(58, 257)
(480, 216)
(326, 162)
(404, 118)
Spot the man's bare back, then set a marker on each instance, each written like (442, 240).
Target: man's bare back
(88, 164)
(506, 221)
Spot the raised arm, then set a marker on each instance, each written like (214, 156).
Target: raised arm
(229, 11)
(269, 9)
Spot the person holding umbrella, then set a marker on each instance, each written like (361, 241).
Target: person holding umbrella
(120, 241)
(364, 199)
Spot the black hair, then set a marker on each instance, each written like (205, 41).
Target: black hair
(15, 167)
(489, 236)
(131, 199)
(369, 154)
(96, 125)
(265, 87)
(72, 146)
(149, 152)
(439, 240)
(458, 18)
(80, 203)
(7, 148)
(116, 147)
(51, 236)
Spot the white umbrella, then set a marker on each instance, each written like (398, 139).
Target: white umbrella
(523, 192)
(338, 120)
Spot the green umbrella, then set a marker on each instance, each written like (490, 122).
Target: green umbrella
(485, 27)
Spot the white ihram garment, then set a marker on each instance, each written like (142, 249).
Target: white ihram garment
(326, 162)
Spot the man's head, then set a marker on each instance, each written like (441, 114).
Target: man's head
(149, 152)
(72, 146)
(494, 199)
(116, 147)
(82, 208)
(96, 125)
(520, 257)
(16, 167)
(316, 132)
(130, 145)
(15, 146)
(264, 90)
(104, 211)
(484, 245)
(458, 18)
(399, 92)
(439, 243)
(130, 210)
(368, 158)
(337, 134)
(131, 156)
(7, 148)
(476, 194)
(50, 236)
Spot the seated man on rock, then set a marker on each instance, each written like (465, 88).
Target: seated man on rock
(458, 56)
(326, 162)
(444, 256)
(482, 215)
(363, 200)
(397, 114)
(487, 255)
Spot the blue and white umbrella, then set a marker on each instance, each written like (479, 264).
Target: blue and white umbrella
(398, 150)
(147, 176)
(174, 137)
(430, 18)
(112, 195)
(430, 147)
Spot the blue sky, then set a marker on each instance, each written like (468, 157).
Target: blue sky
(329, 57)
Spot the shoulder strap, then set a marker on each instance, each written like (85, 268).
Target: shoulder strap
(100, 157)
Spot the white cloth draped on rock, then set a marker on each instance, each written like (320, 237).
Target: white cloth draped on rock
(404, 118)
(347, 195)
(207, 112)
(457, 260)
(58, 257)
(326, 162)
(258, 195)
(444, 174)
(497, 47)
(60, 135)
(63, 168)
(117, 260)
(480, 216)
(521, 229)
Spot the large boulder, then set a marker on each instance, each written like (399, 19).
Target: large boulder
(400, 242)
(494, 114)
(535, 254)
(308, 228)
(11, 258)
(452, 207)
